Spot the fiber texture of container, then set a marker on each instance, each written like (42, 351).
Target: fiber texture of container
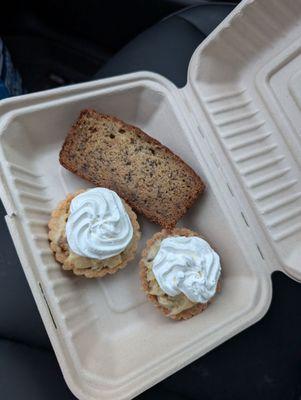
(237, 123)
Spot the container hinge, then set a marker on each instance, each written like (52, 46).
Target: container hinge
(260, 251)
(47, 305)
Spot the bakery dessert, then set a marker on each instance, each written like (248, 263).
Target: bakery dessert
(110, 153)
(180, 273)
(93, 233)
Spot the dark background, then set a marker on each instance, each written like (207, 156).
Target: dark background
(57, 43)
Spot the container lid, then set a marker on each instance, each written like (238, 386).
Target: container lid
(246, 79)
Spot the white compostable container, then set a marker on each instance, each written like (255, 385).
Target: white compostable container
(237, 122)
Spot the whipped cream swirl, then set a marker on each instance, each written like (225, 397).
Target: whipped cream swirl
(98, 225)
(187, 265)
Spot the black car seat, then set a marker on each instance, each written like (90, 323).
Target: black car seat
(247, 366)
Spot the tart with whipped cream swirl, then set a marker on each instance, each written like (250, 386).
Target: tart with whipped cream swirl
(180, 272)
(93, 232)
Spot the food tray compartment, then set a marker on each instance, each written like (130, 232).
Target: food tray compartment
(111, 342)
(246, 79)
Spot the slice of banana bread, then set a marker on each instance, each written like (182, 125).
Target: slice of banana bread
(110, 153)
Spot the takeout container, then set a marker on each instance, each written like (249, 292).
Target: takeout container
(237, 123)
